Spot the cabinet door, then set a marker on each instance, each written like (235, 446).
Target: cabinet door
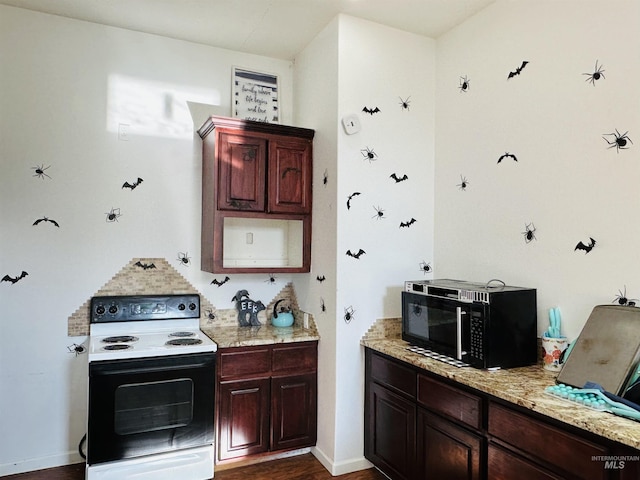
(390, 433)
(290, 176)
(243, 418)
(294, 411)
(445, 450)
(241, 172)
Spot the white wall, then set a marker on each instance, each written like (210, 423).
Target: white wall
(371, 65)
(566, 181)
(315, 91)
(378, 65)
(64, 88)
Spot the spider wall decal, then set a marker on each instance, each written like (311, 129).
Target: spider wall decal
(184, 258)
(210, 314)
(77, 349)
(379, 213)
(40, 171)
(113, 215)
(405, 103)
(369, 154)
(529, 233)
(348, 314)
(425, 267)
(596, 75)
(620, 140)
(271, 279)
(463, 183)
(621, 298)
(465, 84)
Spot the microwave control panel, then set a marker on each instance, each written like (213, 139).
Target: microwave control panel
(448, 290)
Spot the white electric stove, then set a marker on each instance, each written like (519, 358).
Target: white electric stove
(151, 389)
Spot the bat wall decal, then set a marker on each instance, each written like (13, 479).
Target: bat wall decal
(371, 111)
(356, 255)
(399, 179)
(145, 266)
(219, 283)
(354, 194)
(132, 185)
(321, 278)
(508, 155)
(407, 224)
(586, 248)
(13, 280)
(518, 70)
(45, 219)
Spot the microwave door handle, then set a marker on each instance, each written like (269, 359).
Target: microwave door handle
(459, 314)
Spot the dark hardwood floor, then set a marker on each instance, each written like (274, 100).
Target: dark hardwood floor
(301, 467)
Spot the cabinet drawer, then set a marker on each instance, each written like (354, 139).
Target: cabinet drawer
(550, 445)
(297, 357)
(450, 401)
(503, 464)
(239, 362)
(393, 375)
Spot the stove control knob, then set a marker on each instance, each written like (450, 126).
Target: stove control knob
(100, 310)
(182, 306)
(192, 306)
(113, 309)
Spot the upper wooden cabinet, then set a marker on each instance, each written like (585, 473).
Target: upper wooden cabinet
(256, 196)
(242, 163)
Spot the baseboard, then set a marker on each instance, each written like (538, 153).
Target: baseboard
(340, 468)
(40, 463)
(259, 458)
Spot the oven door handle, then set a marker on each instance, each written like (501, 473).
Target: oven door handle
(459, 313)
(150, 365)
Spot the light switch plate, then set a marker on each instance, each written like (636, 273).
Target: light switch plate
(351, 124)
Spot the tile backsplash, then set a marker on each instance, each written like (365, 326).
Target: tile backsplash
(139, 278)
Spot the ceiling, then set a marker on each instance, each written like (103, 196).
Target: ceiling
(274, 28)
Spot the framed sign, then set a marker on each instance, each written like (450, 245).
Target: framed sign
(255, 96)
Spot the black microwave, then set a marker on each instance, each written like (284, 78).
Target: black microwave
(488, 325)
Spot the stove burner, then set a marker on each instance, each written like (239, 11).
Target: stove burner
(120, 339)
(182, 334)
(184, 341)
(118, 346)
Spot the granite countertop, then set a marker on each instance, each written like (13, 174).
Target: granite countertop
(521, 386)
(223, 327)
(230, 336)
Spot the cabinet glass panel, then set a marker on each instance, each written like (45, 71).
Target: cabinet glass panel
(263, 243)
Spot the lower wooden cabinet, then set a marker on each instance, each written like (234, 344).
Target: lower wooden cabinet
(419, 426)
(561, 452)
(267, 399)
(243, 418)
(293, 411)
(446, 450)
(391, 432)
(409, 442)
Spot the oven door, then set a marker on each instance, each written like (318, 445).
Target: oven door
(149, 405)
(438, 324)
